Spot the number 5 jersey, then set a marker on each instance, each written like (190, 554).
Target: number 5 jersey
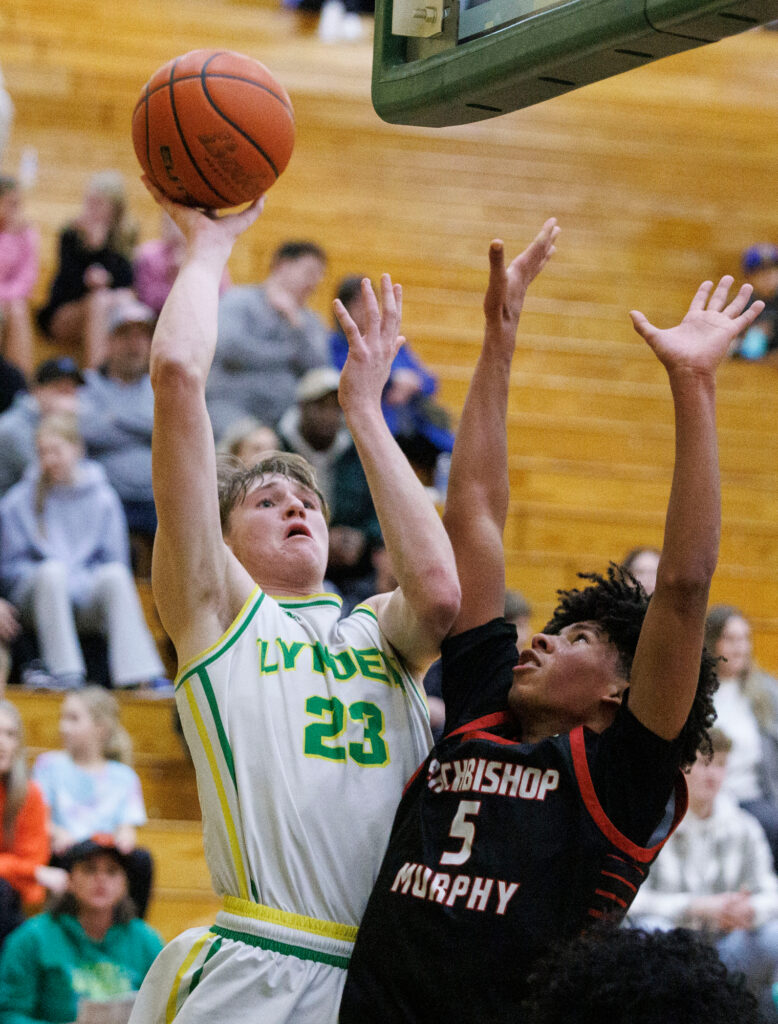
(500, 847)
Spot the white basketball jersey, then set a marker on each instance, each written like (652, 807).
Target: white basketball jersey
(304, 730)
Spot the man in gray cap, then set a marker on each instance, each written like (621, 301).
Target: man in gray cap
(117, 412)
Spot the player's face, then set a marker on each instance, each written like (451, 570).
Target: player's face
(567, 679)
(734, 644)
(280, 535)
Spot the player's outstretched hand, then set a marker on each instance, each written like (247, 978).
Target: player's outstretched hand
(206, 231)
(703, 337)
(370, 355)
(507, 288)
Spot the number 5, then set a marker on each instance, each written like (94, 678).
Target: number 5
(464, 830)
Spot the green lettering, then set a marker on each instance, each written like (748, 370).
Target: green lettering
(370, 664)
(264, 668)
(290, 652)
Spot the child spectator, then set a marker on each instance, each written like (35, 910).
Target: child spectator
(747, 709)
(10, 628)
(642, 564)
(54, 390)
(89, 946)
(716, 875)
(248, 439)
(90, 787)
(64, 562)
(94, 264)
(156, 263)
(19, 244)
(24, 837)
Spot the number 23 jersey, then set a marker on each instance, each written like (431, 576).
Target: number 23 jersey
(303, 729)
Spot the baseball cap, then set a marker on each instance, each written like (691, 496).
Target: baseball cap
(91, 847)
(60, 368)
(132, 312)
(756, 257)
(315, 384)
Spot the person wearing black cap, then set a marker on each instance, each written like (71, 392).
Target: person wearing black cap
(88, 946)
(760, 268)
(54, 390)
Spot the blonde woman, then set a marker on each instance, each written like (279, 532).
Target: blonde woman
(24, 837)
(94, 264)
(64, 562)
(90, 787)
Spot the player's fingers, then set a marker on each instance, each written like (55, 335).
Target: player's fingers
(640, 322)
(739, 323)
(701, 296)
(495, 290)
(718, 299)
(371, 306)
(345, 321)
(738, 304)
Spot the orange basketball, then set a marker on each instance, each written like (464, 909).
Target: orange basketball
(213, 128)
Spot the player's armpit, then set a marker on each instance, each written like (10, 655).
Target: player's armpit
(414, 641)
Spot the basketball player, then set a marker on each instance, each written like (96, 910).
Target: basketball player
(303, 728)
(538, 810)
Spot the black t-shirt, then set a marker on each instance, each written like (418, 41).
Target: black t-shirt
(500, 848)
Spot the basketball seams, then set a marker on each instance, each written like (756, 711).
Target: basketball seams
(252, 142)
(223, 75)
(171, 85)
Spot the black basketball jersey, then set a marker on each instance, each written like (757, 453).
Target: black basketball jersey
(499, 848)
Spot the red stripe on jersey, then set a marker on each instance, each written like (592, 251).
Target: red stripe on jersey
(605, 825)
(629, 885)
(411, 779)
(610, 896)
(594, 913)
(485, 722)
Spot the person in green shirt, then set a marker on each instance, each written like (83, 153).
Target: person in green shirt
(89, 945)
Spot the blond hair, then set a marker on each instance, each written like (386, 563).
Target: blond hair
(123, 229)
(235, 480)
(64, 425)
(15, 779)
(103, 708)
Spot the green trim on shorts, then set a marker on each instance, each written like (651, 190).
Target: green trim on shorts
(301, 952)
(215, 947)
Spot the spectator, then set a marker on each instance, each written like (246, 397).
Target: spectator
(267, 339)
(91, 788)
(9, 631)
(313, 427)
(642, 564)
(410, 385)
(117, 411)
(64, 563)
(24, 838)
(747, 709)
(6, 115)
(716, 875)
(94, 267)
(760, 267)
(248, 440)
(156, 264)
(89, 946)
(630, 976)
(19, 243)
(54, 390)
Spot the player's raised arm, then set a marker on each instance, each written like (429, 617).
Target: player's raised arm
(189, 543)
(477, 500)
(417, 615)
(666, 666)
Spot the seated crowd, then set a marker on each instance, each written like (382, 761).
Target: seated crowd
(77, 518)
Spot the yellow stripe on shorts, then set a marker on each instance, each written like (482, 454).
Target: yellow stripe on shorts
(298, 922)
(172, 1003)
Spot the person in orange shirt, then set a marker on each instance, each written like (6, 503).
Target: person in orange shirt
(24, 834)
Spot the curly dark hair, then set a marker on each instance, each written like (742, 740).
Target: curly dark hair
(618, 604)
(631, 976)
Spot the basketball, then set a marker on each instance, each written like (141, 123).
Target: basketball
(213, 129)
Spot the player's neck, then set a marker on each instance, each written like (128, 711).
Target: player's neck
(541, 725)
(280, 587)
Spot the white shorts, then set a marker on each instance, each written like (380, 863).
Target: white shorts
(269, 967)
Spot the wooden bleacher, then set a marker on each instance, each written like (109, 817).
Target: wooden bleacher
(659, 179)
